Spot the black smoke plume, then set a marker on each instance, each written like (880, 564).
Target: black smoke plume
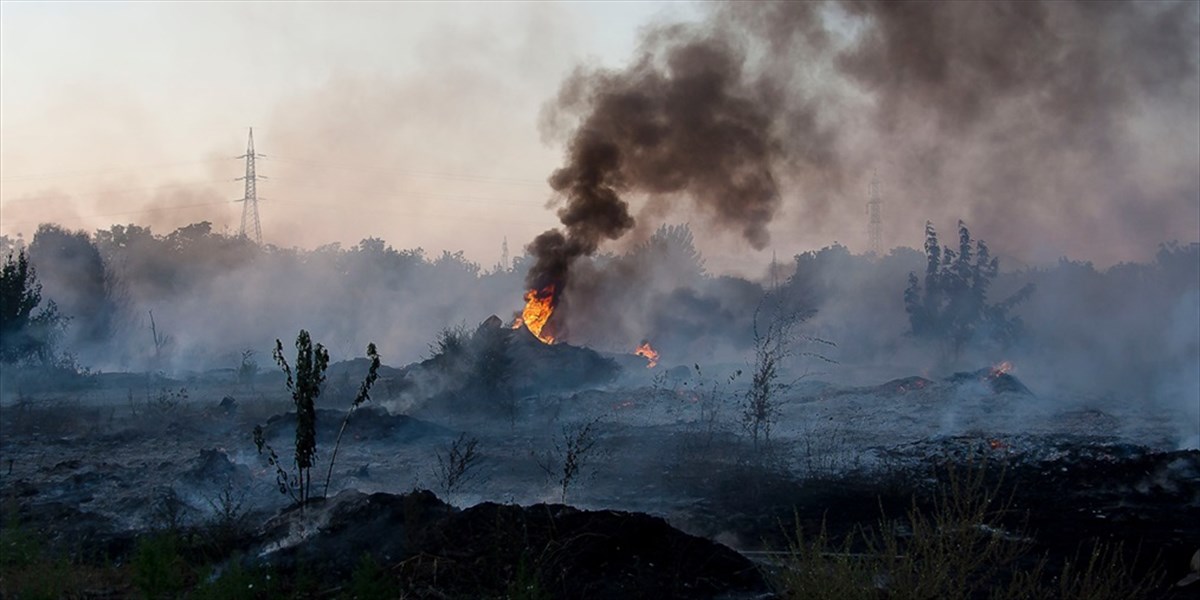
(684, 119)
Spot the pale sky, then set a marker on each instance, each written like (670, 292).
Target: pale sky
(419, 123)
(413, 122)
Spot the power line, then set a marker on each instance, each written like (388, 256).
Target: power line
(60, 174)
(119, 214)
(374, 194)
(60, 196)
(417, 215)
(64, 196)
(466, 177)
(405, 197)
(340, 207)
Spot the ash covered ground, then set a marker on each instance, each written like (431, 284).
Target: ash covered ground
(94, 467)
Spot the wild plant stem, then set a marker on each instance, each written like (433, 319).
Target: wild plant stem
(336, 444)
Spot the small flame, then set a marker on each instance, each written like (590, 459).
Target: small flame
(650, 354)
(1001, 368)
(539, 305)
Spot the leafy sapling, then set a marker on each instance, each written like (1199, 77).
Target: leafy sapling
(286, 483)
(305, 384)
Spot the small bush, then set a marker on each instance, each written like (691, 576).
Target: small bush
(238, 583)
(159, 570)
(370, 581)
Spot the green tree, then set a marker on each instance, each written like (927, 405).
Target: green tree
(305, 385)
(952, 304)
(25, 335)
(74, 273)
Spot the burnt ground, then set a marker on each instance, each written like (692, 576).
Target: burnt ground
(671, 477)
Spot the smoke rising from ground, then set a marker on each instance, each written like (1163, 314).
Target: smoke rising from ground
(684, 119)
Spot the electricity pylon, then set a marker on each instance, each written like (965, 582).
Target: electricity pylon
(249, 202)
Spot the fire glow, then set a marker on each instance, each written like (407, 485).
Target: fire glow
(539, 305)
(649, 353)
(1001, 369)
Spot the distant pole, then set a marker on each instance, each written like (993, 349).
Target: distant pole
(250, 224)
(504, 254)
(875, 221)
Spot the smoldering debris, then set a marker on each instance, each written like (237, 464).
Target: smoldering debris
(490, 368)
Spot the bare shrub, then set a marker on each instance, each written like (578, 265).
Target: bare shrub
(574, 452)
(456, 468)
(247, 370)
(775, 340)
(228, 519)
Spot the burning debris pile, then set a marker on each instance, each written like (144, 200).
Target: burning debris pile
(645, 350)
(999, 379)
(495, 364)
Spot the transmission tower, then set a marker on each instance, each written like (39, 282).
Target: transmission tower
(774, 271)
(250, 224)
(504, 254)
(875, 222)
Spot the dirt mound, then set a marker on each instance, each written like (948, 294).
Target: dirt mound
(213, 466)
(547, 367)
(488, 368)
(485, 550)
(998, 381)
(902, 385)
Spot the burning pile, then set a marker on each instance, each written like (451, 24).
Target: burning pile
(646, 351)
(539, 305)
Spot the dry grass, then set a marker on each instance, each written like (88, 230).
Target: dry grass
(958, 548)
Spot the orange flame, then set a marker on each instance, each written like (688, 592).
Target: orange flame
(1002, 368)
(650, 354)
(539, 305)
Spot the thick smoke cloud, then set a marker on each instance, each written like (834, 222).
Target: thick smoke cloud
(1079, 66)
(684, 119)
(1033, 121)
